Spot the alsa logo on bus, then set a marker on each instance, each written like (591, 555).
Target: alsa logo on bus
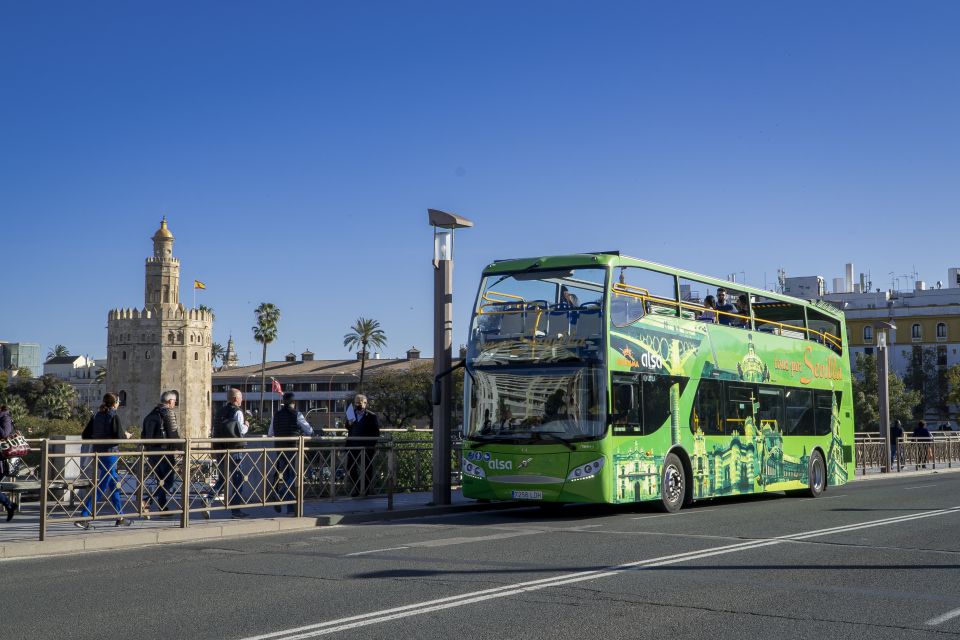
(829, 370)
(492, 463)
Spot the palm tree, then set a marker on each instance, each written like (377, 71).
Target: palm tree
(58, 351)
(365, 333)
(265, 332)
(101, 375)
(217, 352)
(204, 307)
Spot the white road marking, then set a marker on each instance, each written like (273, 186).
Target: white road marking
(376, 617)
(949, 615)
(446, 542)
(363, 553)
(921, 486)
(670, 515)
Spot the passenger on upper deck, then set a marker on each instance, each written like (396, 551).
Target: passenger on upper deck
(724, 307)
(567, 299)
(709, 310)
(743, 309)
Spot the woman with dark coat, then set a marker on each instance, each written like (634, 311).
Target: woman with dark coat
(105, 425)
(6, 430)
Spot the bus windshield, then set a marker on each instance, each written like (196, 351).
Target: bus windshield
(547, 404)
(539, 316)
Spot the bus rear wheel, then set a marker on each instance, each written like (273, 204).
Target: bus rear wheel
(816, 476)
(673, 484)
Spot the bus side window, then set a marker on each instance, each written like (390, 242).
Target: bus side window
(739, 408)
(799, 413)
(770, 415)
(823, 416)
(708, 408)
(625, 415)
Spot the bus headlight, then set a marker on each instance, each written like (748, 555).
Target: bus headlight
(586, 470)
(471, 469)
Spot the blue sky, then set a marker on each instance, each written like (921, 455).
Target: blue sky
(295, 147)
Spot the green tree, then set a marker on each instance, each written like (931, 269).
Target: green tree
(952, 381)
(24, 373)
(58, 351)
(18, 408)
(922, 376)
(217, 352)
(866, 403)
(56, 403)
(101, 374)
(265, 332)
(363, 334)
(400, 397)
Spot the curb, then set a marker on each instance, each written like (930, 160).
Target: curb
(79, 542)
(905, 474)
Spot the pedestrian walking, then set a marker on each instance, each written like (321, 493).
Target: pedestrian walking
(896, 435)
(161, 424)
(6, 430)
(105, 425)
(362, 432)
(924, 443)
(231, 424)
(287, 422)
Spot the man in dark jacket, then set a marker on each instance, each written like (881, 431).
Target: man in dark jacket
(161, 424)
(287, 423)
(925, 443)
(6, 430)
(231, 423)
(362, 433)
(896, 433)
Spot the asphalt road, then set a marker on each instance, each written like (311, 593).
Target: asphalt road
(872, 560)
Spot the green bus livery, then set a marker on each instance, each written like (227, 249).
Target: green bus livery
(599, 378)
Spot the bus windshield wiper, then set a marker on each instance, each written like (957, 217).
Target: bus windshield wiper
(553, 436)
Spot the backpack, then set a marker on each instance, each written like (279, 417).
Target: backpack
(153, 426)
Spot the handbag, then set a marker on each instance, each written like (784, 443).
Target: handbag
(16, 446)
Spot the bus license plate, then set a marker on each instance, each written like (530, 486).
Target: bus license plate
(528, 495)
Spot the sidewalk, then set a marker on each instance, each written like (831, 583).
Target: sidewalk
(875, 473)
(19, 538)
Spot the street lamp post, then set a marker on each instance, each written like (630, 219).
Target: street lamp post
(246, 390)
(883, 388)
(443, 224)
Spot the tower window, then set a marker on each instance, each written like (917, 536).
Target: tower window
(146, 354)
(122, 396)
(124, 355)
(196, 355)
(174, 355)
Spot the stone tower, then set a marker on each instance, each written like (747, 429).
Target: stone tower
(230, 359)
(161, 347)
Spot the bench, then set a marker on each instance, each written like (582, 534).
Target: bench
(16, 489)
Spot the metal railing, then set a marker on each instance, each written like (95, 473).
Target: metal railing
(908, 453)
(89, 480)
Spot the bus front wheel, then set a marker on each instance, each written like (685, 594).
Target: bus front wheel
(816, 476)
(673, 484)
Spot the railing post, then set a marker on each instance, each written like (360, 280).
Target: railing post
(391, 474)
(142, 480)
(301, 466)
(333, 466)
(44, 486)
(187, 482)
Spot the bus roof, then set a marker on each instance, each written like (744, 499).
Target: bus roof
(615, 259)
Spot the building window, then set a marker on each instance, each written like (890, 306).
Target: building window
(196, 355)
(124, 355)
(146, 354)
(174, 355)
(123, 398)
(915, 332)
(941, 331)
(868, 334)
(868, 351)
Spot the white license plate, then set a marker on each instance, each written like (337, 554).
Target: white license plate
(528, 495)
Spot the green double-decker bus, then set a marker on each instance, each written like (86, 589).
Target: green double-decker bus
(600, 378)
